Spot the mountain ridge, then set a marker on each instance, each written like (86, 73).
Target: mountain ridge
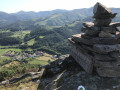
(58, 17)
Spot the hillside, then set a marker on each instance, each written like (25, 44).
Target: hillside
(62, 74)
(42, 18)
(6, 19)
(54, 39)
(55, 18)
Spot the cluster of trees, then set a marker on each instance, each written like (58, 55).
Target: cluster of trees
(5, 39)
(4, 34)
(10, 41)
(54, 39)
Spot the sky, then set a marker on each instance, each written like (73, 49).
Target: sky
(12, 6)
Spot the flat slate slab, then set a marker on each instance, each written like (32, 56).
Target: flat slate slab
(116, 24)
(104, 34)
(115, 54)
(106, 48)
(103, 57)
(92, 25)
(117, 35)
(105, 41)
(77, 35)
(109, 29)
(108, 69)
(81, 40)
(91, 41)
(102, 22)
(81, 57)
(88, 24)
(107, 64)
(91, 31)
(108, 72)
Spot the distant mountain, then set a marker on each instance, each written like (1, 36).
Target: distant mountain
(58, 17)
(6, 19)
(55, 17)
(22, 15)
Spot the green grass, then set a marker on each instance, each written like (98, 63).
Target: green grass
(38, 62)
(31, 42)
(7, 47)
(28, 49)
(17, 34)
(41, 60)
(40, 23)
(73, 24)
(1, 31)
(2, 51)
(20, 33)
(55, 16)
(3, 59)
(41, 36)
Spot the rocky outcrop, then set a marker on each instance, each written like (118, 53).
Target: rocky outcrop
(94, 47)
(70, 76)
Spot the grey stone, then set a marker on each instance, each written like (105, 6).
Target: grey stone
(101, 11)
(104, 34)
(106, 48)
(83, 59)
(108, 69)
(106, 64)
(102, 22)
(87, 36)
(85, 48)
(91, 31)
(108, 72)
(88, 49)
(77, 35)
(115, 54)
(117, 35)
(105, 41)
(103, 57)
(88, 24)
(81, 40)
(103, 16)
(108, 29)
(77, 45)
(117, 24)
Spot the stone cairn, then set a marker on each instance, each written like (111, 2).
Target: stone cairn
(99, 45)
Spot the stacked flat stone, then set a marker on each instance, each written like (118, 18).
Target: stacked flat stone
(99, 45)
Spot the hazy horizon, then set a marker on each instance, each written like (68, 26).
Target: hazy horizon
(13, 6)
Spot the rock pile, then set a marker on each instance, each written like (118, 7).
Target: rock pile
(98, 46)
